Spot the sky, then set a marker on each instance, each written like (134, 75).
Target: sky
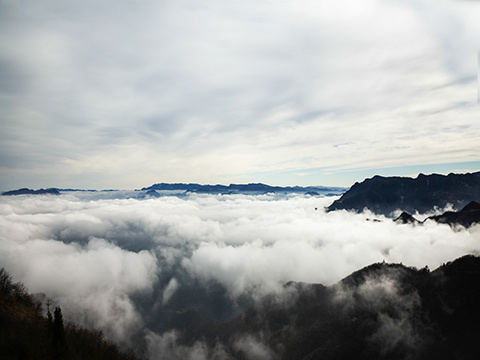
(113, 264)
(108, 94)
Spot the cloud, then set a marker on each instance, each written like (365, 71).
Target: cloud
(104, 95)
(253, 348)
(118, 264)
(394, 332)
(170, 290)
(167, 346)
(93, 283)
(396, 326)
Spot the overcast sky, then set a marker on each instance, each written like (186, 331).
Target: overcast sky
(123, 94)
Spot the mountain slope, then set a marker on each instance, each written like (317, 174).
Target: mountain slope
(383, 311)
(466, 217)
(383, 195)
(26, 334)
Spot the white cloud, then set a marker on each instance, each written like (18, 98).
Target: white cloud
(395, 307)
(92, 283)
(95, 256)
(166, 347)
(254, 348)
(169, 290)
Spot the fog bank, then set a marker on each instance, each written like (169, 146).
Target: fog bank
(96, 258)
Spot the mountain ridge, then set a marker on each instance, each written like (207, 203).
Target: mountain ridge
(250, 188)
(466, 217)
(382, 311)
(385, 195)
(26, 191)
(233, 188)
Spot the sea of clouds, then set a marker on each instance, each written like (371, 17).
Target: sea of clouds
(97, 254)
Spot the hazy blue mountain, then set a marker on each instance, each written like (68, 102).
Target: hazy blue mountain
(149, 194)
(25, 191)
(244, 188)
(384, 195)
(184, 188)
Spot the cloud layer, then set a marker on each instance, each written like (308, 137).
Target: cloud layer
(97, 258)
(112, 95)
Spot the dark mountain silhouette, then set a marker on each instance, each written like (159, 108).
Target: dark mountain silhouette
(25, 191)
(383, 311)
(406, 218)
(466, 217)
(384, 195)
(244, 188)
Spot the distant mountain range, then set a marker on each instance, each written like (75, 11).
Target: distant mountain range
(245, 188)
(25, 191)
(385, 195)
(179, 188)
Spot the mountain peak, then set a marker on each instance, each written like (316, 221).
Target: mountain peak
(471, 206)
(406, 218)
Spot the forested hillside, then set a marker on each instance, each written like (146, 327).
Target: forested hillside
(26, 334)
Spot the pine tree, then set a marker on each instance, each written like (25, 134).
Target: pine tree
(49, 316)
(58, 332)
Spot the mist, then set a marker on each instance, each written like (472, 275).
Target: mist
(111, 263)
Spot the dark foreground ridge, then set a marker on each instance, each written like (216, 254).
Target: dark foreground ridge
(384, 195)
(384, 311)
(25, 333)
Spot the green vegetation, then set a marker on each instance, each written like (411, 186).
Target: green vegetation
(26, 334)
